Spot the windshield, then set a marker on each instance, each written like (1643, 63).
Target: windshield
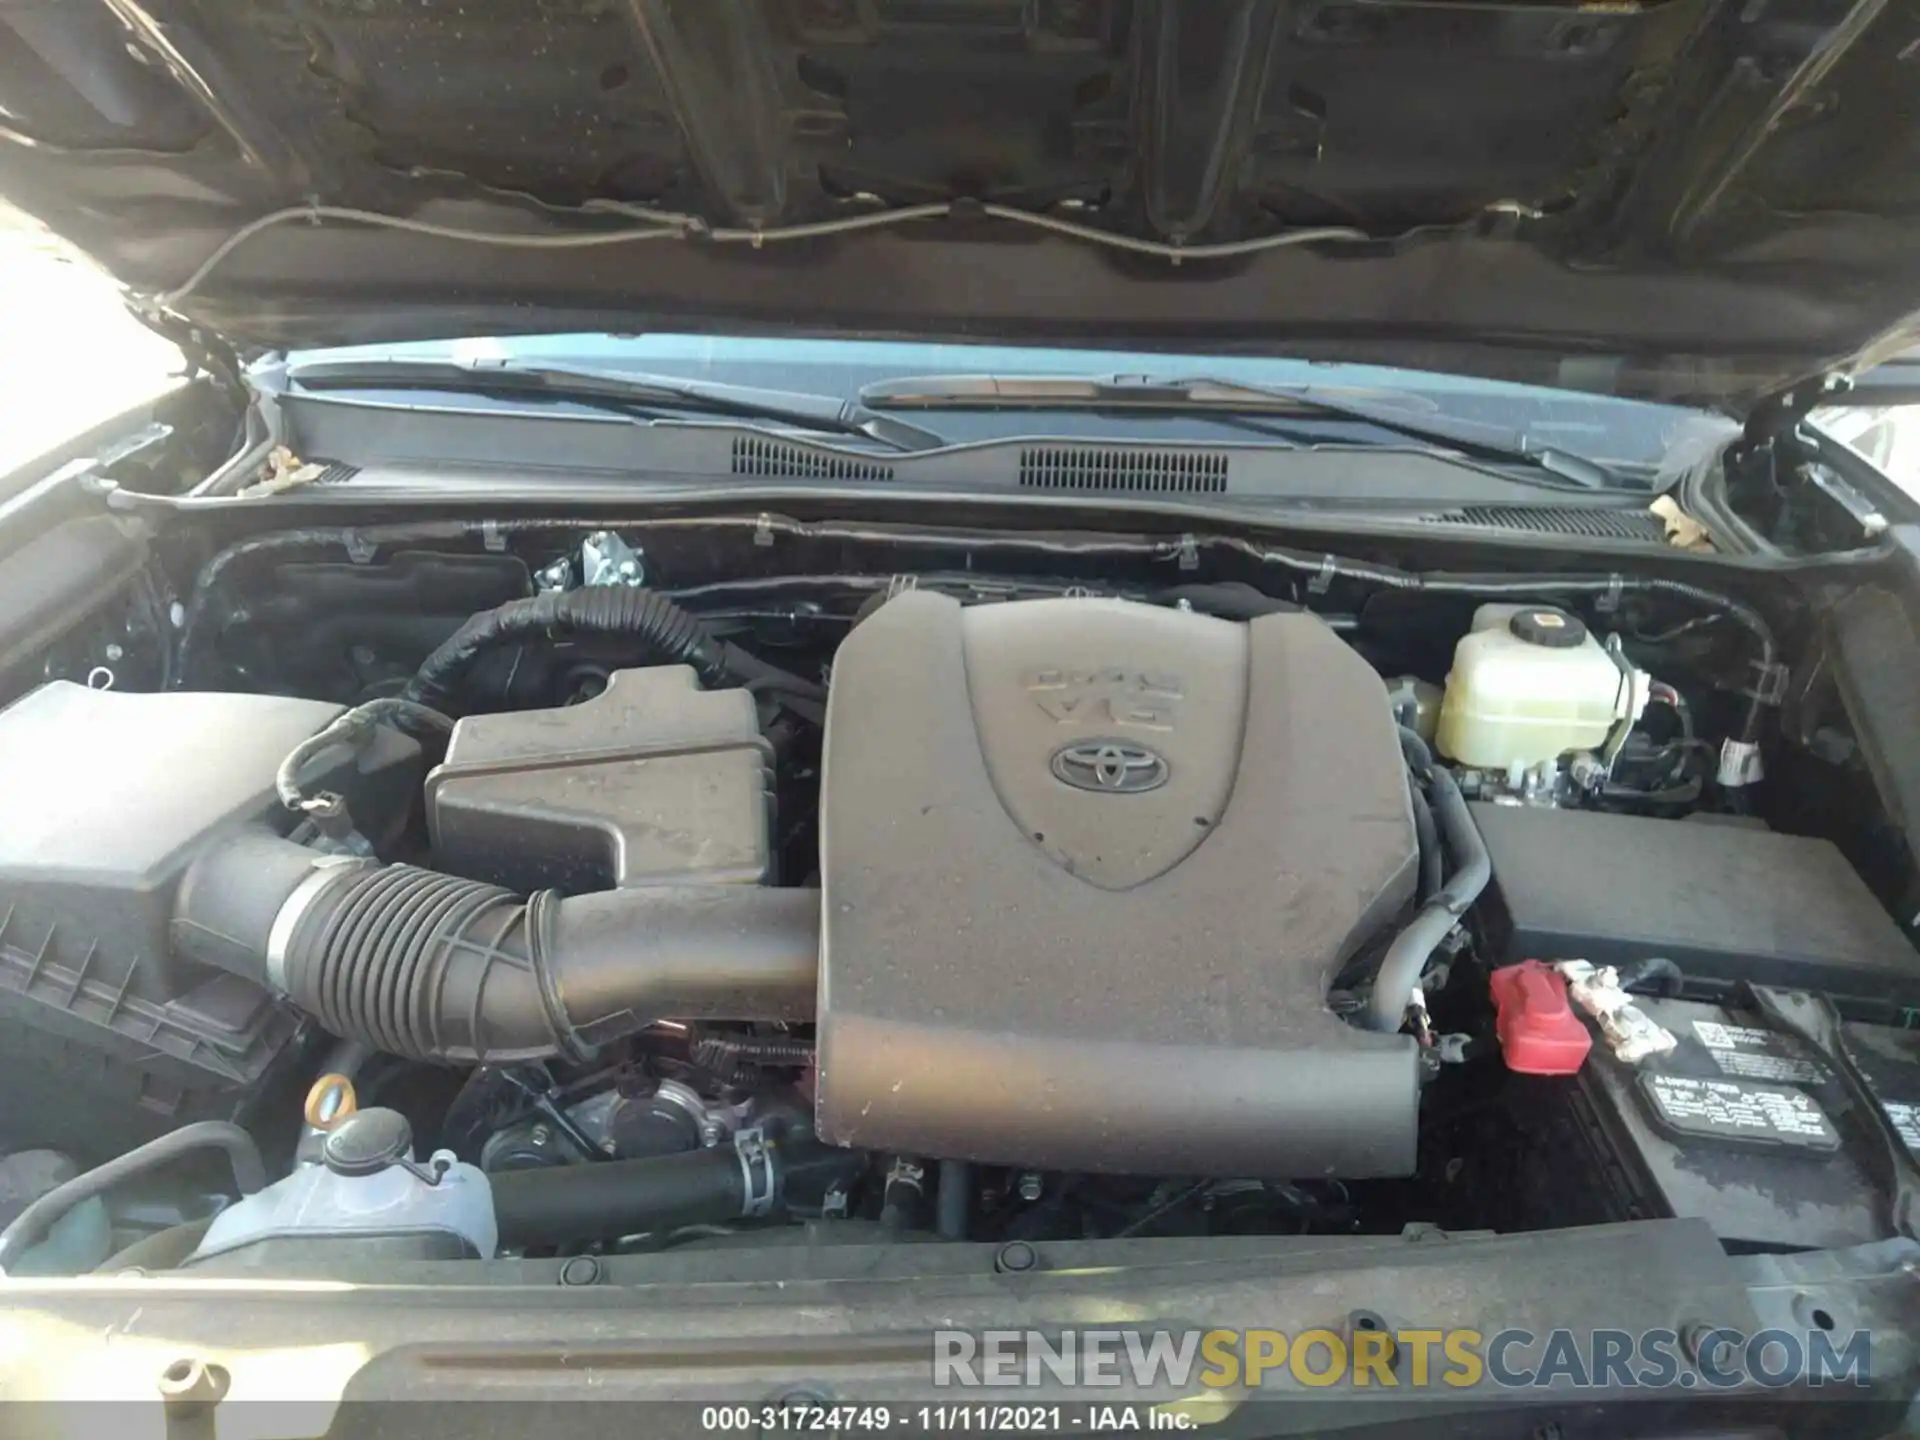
(1631, 435)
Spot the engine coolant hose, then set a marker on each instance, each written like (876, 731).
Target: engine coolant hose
(1406, 958)
(435, 967)
(598, 611)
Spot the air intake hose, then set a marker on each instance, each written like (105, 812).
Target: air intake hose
(434, 967)
(603, 611)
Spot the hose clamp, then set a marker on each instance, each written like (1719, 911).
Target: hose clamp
(540, 919)
(294, 908)
(759, 1181)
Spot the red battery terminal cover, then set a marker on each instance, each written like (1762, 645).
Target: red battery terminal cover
(1539, 1033)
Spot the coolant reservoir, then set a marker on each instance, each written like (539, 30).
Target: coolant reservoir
(1530, 683)
(366, 1189)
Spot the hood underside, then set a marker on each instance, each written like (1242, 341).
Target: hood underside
(1694, 200)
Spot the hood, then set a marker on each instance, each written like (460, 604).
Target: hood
(1699, 201)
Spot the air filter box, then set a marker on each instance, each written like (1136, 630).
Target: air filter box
(105, 799)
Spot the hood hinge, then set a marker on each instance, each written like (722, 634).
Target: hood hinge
(1780, 413)
(205, 352)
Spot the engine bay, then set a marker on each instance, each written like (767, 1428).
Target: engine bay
(543, 889)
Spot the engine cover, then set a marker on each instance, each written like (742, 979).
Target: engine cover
(1088, 866)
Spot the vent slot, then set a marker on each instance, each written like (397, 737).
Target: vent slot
(338, 472)
(1175, 472)
(1585, 522)
(754, 456)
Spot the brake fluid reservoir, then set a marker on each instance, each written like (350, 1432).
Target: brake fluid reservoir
(1530, 683)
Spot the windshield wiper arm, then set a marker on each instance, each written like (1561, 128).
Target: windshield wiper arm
(1228, 397)
(625, 391)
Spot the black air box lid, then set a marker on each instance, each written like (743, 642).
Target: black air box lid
(653, 781)
(1724, 902)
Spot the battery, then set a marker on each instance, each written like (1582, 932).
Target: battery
(1738, 1126)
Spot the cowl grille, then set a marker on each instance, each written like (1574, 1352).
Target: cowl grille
(754, 456)
(1586, 522)
(1177, 472)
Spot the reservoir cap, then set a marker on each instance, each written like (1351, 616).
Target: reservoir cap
(367, 1142)
(1547, 627)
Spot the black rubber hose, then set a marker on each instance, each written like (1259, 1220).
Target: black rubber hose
(435, 967)
(564, 1204)
(672, 634)
(1427, 833)
(1406, 958)
(953, 1199)
(30, 1226)
(561, 1204)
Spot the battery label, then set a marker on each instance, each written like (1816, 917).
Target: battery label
(1906, 1120)
(1753, 1054)
(1730, 1110)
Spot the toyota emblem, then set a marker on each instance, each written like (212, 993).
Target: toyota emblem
(1109, 767)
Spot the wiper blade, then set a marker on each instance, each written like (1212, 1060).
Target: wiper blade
(1230, 397)
(627, 392)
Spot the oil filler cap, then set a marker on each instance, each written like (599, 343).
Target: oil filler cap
(1551, 629)
(367, 1142)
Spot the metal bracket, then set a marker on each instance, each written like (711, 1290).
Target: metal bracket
(204, 352)
(360, 550)
(1803, 399)
(763, 529)
(1324, 577)
(492, 536)
(536, 1087)
(1189, 553)
(1781, 413)
(606, 559)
